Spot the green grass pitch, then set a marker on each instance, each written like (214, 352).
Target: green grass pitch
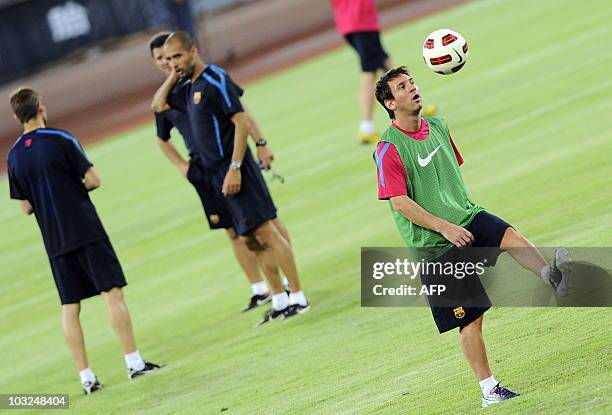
(531, 114)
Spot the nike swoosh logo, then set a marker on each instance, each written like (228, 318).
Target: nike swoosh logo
(458, 55)
(425, 161)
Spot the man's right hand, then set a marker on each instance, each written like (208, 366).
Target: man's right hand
(457, 235)
(184, 168)
(160, 98)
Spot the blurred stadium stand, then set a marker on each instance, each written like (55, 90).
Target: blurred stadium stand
(90, 60)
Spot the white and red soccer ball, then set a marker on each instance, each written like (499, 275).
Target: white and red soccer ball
(445, 51)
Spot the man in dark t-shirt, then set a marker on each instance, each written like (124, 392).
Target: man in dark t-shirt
(171, 112)
(51, 176)
(220, 127)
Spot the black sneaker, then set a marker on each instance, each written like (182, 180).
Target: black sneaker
(295, 309)
(498, 394)
(273, 314)
(149, 367)
(256, 301)
(90, 387)
(560, 271)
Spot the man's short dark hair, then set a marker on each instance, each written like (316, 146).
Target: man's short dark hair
(183, 38)
(25, 102)
(383, 90)
(158, 40)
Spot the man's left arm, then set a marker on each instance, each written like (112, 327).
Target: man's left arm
(264, 153)
(81, 165)
(233, 178)
(227, 100)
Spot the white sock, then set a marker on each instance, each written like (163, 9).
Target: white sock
(87, 375)
(545, 274)
(487, 385)
(298, 298)
(285, 281)
(280, 301)
(259, 288)
(366, 127)
(134, 361)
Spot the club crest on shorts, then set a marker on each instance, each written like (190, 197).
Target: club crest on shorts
(459, 312)
(214, 219)
(197, 97)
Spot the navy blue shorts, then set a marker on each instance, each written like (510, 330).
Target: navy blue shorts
(488, 231)
(252, 206)
(87, 271)
(372, 56)
(216, 213)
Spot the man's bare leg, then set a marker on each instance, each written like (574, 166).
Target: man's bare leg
(474, 350)
(366, 95)
(276, 252)
(245, 257)
(73, 333)
(366, 106)
(389, 64)
(523, 251)
(122, 323)
(120, 319)
(269, 236)
(282, 229)
(267, 262)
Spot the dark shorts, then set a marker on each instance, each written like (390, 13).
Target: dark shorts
(87, 271)
(468, 296)
(371, 53)
(216, 213)
(253, 205)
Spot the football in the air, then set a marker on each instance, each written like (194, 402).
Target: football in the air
(445, 51)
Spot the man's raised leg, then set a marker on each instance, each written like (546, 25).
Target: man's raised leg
(556, 275)
(523, 251)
